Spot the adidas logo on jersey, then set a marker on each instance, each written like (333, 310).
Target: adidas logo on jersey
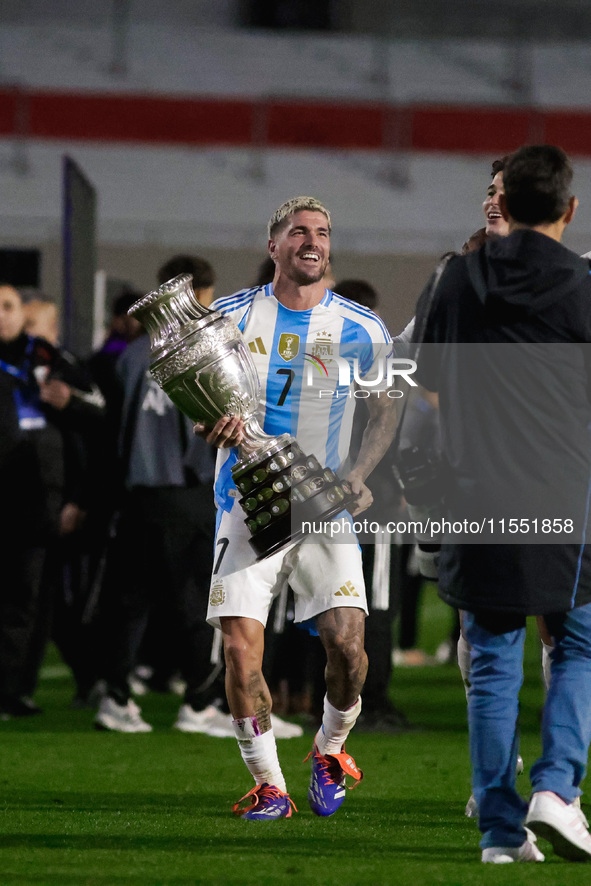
(347, 590)
(257, 346)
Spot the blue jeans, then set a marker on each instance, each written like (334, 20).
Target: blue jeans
(496, 675)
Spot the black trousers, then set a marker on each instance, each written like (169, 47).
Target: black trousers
(161, 560)
(379, 640)
(20, 582)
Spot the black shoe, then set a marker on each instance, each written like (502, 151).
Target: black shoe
(388, 719)
(18, 707)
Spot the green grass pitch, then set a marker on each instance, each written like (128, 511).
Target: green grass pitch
(83, 808)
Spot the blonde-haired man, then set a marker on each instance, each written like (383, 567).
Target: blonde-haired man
(326, 578)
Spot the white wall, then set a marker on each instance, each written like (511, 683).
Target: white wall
(171, 197)
(195, 57)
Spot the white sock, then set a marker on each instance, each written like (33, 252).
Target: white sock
(464, 662)
(259, 752)
(336, 726)
(546, 664)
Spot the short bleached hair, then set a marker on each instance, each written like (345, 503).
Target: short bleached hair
(296, 204)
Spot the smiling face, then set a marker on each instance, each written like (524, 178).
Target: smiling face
(496, 226)
(12, 314)
(301, 247)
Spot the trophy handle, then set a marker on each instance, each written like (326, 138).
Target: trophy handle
(256, 440)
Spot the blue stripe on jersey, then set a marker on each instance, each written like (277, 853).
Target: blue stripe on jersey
(231, 302)
(356, 341)
(364, 312)
(232, 305)
(297, 323)
(224, 482)
(355, 334)
(333, 458)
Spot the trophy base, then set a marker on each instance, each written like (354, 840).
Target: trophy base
(282, 490)
(285, 531)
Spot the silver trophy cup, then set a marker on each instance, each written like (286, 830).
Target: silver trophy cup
(201, 361)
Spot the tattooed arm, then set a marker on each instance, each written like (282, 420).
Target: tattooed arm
(378, 434)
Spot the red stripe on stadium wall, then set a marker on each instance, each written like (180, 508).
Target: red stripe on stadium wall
(326, 125)
(489, 130)
(139, 119)
(284, 123)
(471, 130)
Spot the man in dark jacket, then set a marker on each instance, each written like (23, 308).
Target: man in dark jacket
(47, 406)
(506, 346)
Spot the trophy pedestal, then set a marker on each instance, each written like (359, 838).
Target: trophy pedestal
(285, 490)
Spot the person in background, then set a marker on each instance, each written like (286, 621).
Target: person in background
(64, 587)
(123, 328)
(521, 289)
(76, 624)
(199, 268)
(42, 316)
(495, 226)
(105, 471)
(47, 402)
(162, 554)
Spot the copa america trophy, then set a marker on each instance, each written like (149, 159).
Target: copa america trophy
(201, 361)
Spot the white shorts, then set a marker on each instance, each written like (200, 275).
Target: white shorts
(323, 574)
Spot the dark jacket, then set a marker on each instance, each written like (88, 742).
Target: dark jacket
(507, 348)
(42, 463)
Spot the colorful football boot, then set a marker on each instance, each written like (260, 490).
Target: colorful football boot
(266, 803)
(327, 784)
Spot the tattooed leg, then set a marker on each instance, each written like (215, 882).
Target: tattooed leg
(246, 689)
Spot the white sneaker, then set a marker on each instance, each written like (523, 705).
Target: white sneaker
(563, 825)
(285, 729)
(471, 810)
(209, 721)
(577, 803)
(120, 718)
(528, 851)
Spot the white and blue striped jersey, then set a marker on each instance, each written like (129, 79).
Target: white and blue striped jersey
(300, 359)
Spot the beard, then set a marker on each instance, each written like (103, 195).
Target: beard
(308, 277)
